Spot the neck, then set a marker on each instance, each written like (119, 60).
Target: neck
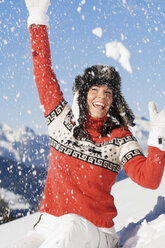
(93, 125)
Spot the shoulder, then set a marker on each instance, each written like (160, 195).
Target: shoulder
(121, 131)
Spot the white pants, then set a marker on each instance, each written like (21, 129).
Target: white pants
(68, 231)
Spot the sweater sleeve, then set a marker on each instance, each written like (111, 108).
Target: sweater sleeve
(47, 85)
(147, 171)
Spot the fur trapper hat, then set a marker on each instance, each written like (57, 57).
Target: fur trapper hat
(119, 112)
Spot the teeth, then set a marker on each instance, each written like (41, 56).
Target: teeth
(100, 104)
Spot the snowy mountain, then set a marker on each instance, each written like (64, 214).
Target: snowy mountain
(24, 145)
(140, 222)
(23, 168)
(21, 179)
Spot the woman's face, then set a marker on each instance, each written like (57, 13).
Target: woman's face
(99, 100)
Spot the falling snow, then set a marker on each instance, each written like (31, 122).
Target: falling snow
(118, 51)
(131, 38)
(98, 32)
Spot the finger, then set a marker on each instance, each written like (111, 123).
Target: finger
(152, 109)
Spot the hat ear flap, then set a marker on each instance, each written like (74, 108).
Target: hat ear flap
(75, 108)
(78, 83)
(125, 112)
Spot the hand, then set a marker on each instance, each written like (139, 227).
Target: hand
(157, 133)
(41, 5)
(37, 12)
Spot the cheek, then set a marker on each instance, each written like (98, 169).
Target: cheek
(90, 97)
(109, 101)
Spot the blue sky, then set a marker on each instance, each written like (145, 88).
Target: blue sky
(138, 25)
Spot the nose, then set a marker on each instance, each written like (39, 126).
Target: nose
(101, 93)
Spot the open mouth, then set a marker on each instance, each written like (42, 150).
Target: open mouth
(98, 105)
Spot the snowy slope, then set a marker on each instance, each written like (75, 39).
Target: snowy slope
(16, 230)
(140, 222)
(141, 215)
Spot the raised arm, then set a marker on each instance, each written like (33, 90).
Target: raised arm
(148, 172)
(47, 84)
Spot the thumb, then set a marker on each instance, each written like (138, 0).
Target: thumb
(152, 109)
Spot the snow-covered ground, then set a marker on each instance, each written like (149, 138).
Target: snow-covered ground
(141, 215)
(140, 222)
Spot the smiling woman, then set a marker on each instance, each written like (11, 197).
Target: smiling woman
(99, 100)
(77, 209)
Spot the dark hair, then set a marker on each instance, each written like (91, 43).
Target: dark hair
(119, 113)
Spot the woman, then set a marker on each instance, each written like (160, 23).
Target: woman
(88, 148)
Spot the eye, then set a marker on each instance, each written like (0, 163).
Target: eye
(94, 88)
(108, 92)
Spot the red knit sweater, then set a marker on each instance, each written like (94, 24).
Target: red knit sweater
(82, 172)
